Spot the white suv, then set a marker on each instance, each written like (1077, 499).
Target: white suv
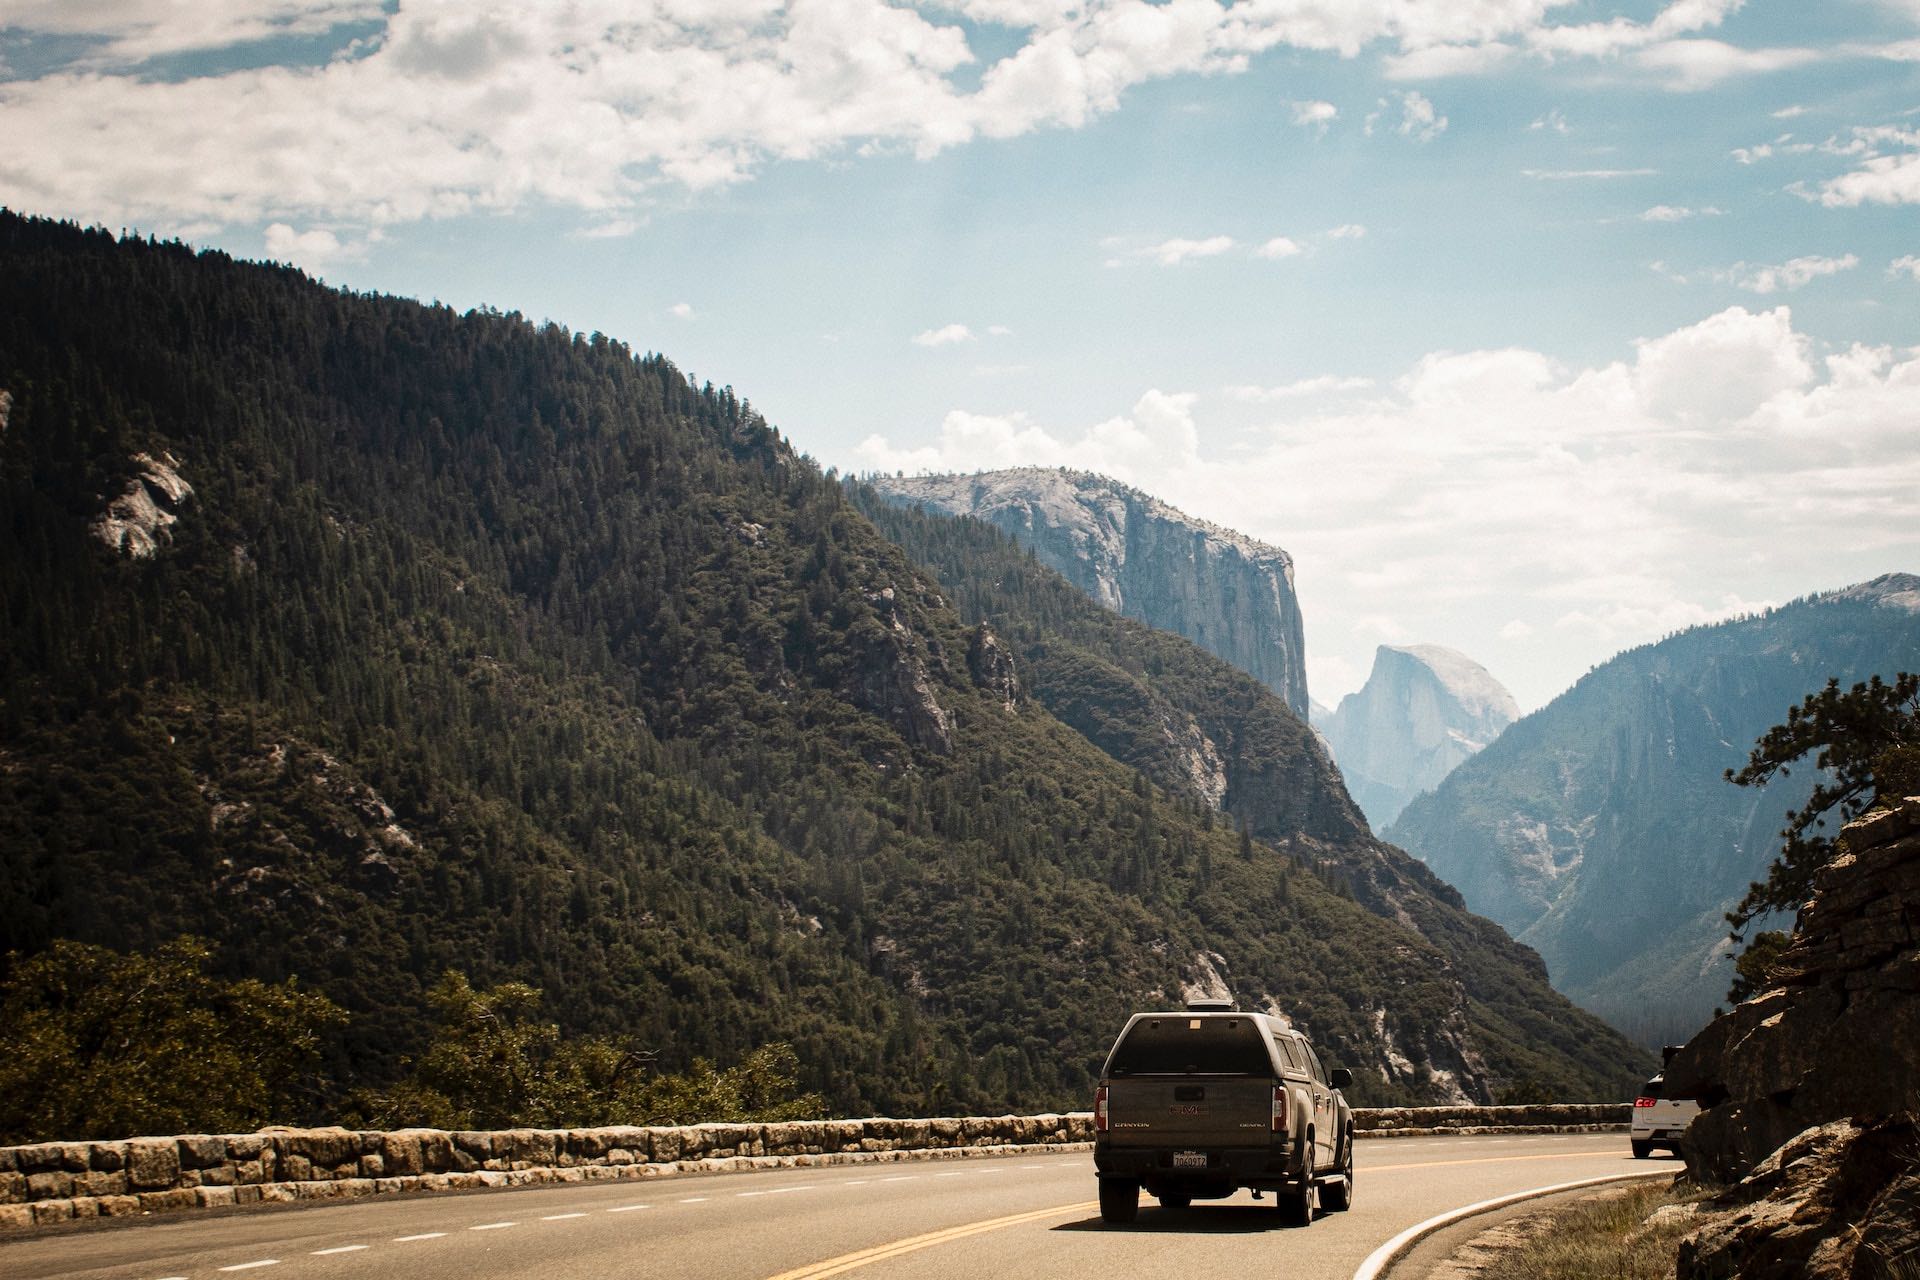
(1659, 1121)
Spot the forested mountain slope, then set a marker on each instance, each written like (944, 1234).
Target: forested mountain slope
(1196, 724)
(1600, 828)
(368, 639)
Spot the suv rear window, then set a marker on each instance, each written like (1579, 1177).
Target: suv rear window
(1652, 1088)
(1176, 1046)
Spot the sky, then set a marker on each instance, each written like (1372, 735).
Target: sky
(1539, 330)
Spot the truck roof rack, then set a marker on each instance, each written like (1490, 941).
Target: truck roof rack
(1213, 1004)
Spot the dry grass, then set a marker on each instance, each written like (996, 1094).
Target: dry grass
(1605, 1238)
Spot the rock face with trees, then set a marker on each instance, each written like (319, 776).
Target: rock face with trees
(490, 647)
(1230, 594)
(1601, 831)
(1810, 1098)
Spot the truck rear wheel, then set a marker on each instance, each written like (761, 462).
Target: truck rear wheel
(1296, 1202)
(1119, 1199)
(1337, 1195)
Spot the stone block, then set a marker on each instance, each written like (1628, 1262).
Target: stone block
(107, 1157)
(198, 1151)
(13, 1188)
(278, 1192)
(245, 1146)
(221, 1175)
(9, 1160)
(373, 1166)
(327, 1148)
(246, 1195)
(100, 1184)
(36, 1158)
(164, 1201)
(153, 1164)
(15, 1216)
(215, 1197)
(119, 1206)
(46, 1211)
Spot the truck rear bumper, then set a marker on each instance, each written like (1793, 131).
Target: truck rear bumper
(1263, 1167)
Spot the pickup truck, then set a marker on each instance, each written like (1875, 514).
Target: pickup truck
(1197, 1104)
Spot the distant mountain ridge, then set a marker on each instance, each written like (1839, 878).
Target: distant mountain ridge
(1600, 829)
(1228, 593)
(1424, 709)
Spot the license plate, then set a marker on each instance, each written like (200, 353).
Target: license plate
(1189, 1159)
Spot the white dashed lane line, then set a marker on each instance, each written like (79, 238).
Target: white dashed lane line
(619, 1208)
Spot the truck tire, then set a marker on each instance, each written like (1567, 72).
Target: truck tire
(1337, 1195)
(1119, 1199)
(1296, 1202)
(1642, 1150)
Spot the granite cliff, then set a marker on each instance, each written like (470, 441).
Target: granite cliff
(1423, 710)
(1229, 594)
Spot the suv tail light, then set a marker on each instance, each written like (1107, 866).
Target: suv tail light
(1100, 1109)
(1279, 1108)
(1644, 1101)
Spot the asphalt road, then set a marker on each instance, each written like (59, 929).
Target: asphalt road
(1014, 1216)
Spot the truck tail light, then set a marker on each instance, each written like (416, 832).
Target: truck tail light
(1279, 1108)
(1100, 1109)
(1643, 1102)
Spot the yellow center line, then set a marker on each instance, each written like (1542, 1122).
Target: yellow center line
(913, 1244)
(880, 1253)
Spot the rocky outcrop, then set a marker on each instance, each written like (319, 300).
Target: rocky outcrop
(1423, 710)
(891, 677)
(140, 521)
(1615, 793)
(1837, 1034)
(991, 665)
(1838, 1202)
(1228, 593)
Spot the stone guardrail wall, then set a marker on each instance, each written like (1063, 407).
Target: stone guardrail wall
(59, 1181)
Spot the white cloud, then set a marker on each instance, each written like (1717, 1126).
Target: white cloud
(1888, 169)
(1326, 384)
(433, 108)
(312, 249)
(1314, 115)
(1789, 113)
(1419, 119)
(1908, 265)
(1691, 65)
(1171, 253)
(681, 310)
(1348, 231)
(1791, 274)
(944, 336)
(1580, 175)
(1677, 213)
(1553, 120)
(1280, 247)
(1520, 508)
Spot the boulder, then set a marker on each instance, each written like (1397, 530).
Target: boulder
(1838, 1202)
(1838, 1033)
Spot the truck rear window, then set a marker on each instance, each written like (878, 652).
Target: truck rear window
(1192, 1046)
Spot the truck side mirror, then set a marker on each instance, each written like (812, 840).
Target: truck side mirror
(1340, 1077)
